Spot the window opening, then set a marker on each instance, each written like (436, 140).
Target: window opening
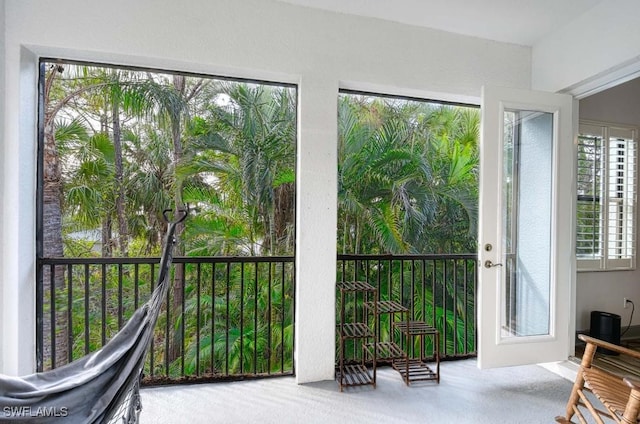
(606, 197)
(118, 145)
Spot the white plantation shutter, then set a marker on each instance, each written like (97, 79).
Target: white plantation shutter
(589, 185)
(606, 204)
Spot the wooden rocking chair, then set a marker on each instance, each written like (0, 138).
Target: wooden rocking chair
(619, 396)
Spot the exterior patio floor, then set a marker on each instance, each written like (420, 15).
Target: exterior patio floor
(526, 394)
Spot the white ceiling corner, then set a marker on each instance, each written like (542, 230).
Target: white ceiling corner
(513, 21)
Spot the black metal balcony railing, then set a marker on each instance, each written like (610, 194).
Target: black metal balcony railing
(232, 317)
(437, 289)
(224, 317)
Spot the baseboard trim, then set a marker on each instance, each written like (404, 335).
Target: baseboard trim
(566, 369)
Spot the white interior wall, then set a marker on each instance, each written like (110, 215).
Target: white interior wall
(598, 50)
(620, 104)
(589, 50)
(321, 51)
(2, 135)
(604, 291)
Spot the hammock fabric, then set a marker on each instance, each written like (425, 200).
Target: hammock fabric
(101, 386)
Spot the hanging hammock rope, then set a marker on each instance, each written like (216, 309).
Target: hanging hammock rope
(102, 386)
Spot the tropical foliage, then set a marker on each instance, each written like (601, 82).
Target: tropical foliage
(122, 145)
(408, 185)
(407, 176)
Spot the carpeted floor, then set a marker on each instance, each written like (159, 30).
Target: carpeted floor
(527, 394)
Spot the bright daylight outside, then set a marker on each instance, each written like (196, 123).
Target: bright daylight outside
(120, 146)
(407, 215)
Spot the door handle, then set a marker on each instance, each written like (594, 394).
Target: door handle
(489, 264)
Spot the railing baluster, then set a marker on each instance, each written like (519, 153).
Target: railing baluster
(70, 313)
(282, 319)
(120, 309)
(226, 356)
(455, 307)
(40, 308)
(182, 318)
(53, 316)
(198, 280)
(465, 300)
(402, 301)
(213, 317)
(151, 349)
(269, 335)
(434, 277)
(136, 285)
(255, 319)
(87, 291)
(241, 317)
(423, 291)
(104, 303)
(444, 332)
(167, 333)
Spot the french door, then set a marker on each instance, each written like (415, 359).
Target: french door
(526, 256)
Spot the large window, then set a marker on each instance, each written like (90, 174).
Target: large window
(122, 144)
(407, 175)
(606, 204)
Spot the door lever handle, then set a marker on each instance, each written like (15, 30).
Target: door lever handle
(489, 264)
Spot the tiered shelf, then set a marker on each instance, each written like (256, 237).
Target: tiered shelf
(387, 350)
(416, 369)
(411, 368)
(349, 374)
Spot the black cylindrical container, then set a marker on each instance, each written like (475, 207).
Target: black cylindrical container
(605, 326)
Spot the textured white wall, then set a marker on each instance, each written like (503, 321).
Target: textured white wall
(320, 51)
(604, 40)
(2, 155)
(599, 47)
(620, 104)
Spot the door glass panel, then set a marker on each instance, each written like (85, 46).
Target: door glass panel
(527, 188)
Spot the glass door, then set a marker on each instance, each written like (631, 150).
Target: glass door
(526, 228)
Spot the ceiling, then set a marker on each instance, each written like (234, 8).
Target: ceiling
(513, 21)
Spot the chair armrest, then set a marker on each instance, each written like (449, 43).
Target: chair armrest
(633, 383)
(609, 346)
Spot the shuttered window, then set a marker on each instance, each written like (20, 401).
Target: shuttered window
(606, 203)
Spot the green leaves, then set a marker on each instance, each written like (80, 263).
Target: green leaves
(407, 176)
(132, 143)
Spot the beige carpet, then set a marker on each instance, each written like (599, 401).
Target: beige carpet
(526, 395)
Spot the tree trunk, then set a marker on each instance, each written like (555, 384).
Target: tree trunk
(284, 200)
(177, 297)
(107, 246)
(52, 237)
(123, 230)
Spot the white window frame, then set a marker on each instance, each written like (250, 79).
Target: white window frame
(604, 260)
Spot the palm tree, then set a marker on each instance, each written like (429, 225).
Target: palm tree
(249, 146)
(451, 147)
(55, 98)
(381, 181)
(407, 175)
(88, 167)
(405, 171)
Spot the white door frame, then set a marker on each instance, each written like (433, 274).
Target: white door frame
(593, 85)
(496, 348)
